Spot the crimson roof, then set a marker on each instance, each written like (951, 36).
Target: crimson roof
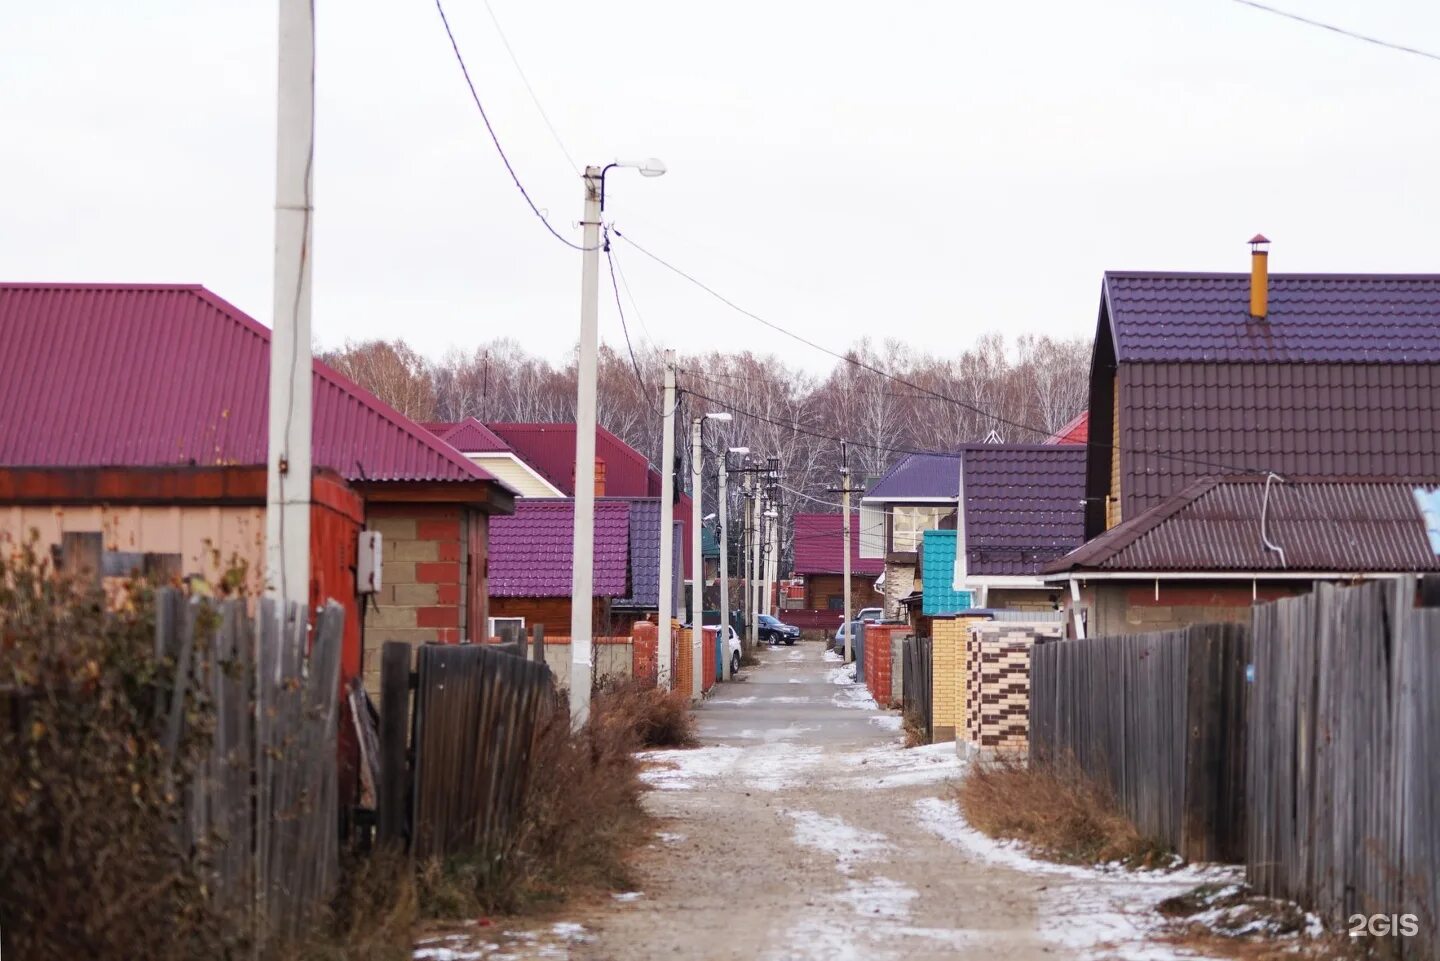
(1024, 506)
(114, 375)
(1077, 431)
(550, 450)
(530, 551)
(1322, 524)
(1393, 318)
(468, 436)
(820, 546)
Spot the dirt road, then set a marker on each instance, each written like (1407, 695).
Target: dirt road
(802, 830)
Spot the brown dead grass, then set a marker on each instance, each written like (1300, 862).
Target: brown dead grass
(914, 727)
(648, 716)
(1210, 945)
(1062, 814)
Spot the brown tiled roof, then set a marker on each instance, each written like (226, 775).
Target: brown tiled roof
(1323, 525)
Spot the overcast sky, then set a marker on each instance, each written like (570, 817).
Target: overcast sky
(928, 170)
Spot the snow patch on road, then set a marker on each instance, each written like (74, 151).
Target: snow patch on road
(1091, 912)
(771, 766)
(889, 722)
(850, 845)
(893, 766)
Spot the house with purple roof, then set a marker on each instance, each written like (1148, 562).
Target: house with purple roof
(819, 554)
(918, 493)
(1250, 434)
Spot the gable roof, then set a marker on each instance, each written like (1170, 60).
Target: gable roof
(820, 546)
(1200, 317)
(468, 436)
(530, 552)
(117, 375)
(922, 477)
(1024, 506)
(1323, 525)
(550, 449)
(1077, 431)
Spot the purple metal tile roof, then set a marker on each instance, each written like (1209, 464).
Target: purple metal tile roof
(1024, 506)
(530, 550)
(645, 557)
(820, 546)
(1332, 525)
(468, 436)
(1390, 318)
(113, 375)
(1183, 421)
(919, 477)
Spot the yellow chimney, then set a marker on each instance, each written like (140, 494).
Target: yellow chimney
(1259, 276)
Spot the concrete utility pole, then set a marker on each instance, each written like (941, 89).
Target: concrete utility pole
(722, 637)
(752, 559)
(845, 490)
(287, 487)
(667, 523)
(697, 561)
(582, 557)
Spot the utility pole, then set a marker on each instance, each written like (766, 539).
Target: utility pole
(287, 485)
(747, 641)
(582, 558)
(667, 523)
(697, 560)
(722, 638)
(845, 490)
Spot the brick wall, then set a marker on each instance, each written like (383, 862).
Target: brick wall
(900, 580)
(681, 659)
(645, 652)
(997, 682)
(947, 638)
(609, 657)
(1134, 607)
(707, 657)
(878, 658)
(422, 581)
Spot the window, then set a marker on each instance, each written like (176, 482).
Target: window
(499, 626)
(909, 525)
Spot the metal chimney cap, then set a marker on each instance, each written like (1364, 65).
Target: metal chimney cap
(1259, 239)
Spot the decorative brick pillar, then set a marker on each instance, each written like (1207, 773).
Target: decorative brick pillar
(645, 648)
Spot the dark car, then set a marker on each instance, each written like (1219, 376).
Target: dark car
(773, 630)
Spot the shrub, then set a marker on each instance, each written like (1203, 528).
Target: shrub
(648, 717)
(90, 862)
(1063, 814)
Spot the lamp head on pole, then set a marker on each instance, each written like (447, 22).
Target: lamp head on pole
(722, 416)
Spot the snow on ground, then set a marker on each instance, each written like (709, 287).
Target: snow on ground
(552, 944)
(770, 766)
(832, 835)
(1089, 912)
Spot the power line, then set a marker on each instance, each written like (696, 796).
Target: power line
(1340, 30)
(474, 95)
(847, 358)
(630, 295)
(531, 90)
(635, 364)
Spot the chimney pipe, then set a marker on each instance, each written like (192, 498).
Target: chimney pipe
(1259, 277)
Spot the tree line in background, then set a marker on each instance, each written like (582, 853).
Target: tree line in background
(779, 409)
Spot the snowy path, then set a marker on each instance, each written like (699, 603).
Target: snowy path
(802, 830)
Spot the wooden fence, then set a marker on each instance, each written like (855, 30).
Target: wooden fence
(1344, 784)
(1160, 720)
(262, 808)
(457, 783)
(915, 687)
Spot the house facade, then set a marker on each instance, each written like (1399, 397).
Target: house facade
(918, 494)
(819, 559)
(135, 379)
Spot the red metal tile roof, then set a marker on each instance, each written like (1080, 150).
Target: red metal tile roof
(550, 450)
(530, 551)
(1075, 432)
(820, 546)
(1024, 506)
(1323, 525)
(113, 375)
(468, 436)
(1390, 318)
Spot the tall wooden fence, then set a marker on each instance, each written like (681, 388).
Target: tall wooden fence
(1344, 756)
(1159, 719)
(262, 808)
(457, 783)
(915, 686)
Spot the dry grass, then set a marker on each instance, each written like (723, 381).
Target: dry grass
(748, 657)
(914, 727)
(1062, 814)
(649, 716)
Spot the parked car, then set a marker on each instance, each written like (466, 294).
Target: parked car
(871, 614)
(775, 631)
(840, 634)
(734, 651)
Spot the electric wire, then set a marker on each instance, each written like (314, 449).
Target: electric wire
(620, 309)
(531, 90)
(1340, 30)
(475, 95)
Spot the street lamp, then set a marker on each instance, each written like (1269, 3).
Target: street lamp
(697, 560)
(582, 557)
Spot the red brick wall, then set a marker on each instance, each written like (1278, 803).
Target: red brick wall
(646, 652)
(707, 657)
(877, 661)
